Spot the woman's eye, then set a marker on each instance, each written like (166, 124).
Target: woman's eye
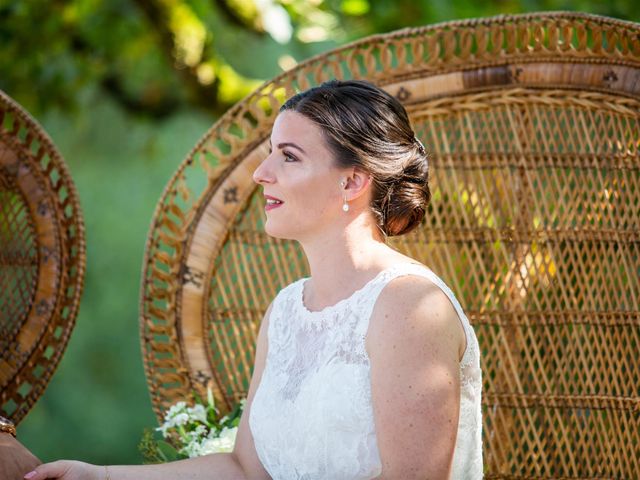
(289, 158)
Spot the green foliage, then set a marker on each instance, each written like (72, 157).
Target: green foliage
(355, 7)
(156, 57)
(168, 453)
(149, 447)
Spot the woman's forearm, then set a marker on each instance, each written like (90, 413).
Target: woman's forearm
(209, 467)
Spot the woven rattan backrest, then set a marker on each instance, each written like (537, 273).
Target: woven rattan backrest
(533, 127)
(42, 259)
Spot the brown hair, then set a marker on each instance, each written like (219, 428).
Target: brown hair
(366, 127)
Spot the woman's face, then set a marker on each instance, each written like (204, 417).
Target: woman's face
(300, 180)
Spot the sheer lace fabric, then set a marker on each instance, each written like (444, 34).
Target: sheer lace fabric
(312, 414)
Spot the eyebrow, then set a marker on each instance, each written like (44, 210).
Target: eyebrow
(289, 144)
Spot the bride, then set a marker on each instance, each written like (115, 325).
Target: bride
(369, 368)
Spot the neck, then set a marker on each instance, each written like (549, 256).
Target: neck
(343, 259)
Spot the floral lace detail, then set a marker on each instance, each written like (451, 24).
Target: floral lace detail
(312, 415)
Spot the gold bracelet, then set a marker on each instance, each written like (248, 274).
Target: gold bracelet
(10, 429)
(7, 426)
(106, 473)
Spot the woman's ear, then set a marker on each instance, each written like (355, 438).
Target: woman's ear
(358, 183)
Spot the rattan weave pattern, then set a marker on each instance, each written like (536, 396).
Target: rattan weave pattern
(42, 259)
(533, 126)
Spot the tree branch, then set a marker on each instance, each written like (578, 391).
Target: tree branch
(158, 18)
(204, 96)
(234, 17)
(158, 109)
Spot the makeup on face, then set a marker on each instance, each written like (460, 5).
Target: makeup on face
(299, 180)
(272, 202)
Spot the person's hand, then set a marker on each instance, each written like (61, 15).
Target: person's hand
(67, 470)
(15, 459)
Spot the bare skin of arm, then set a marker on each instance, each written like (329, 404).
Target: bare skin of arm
(15, 458)
(242, 463)
(415, 342)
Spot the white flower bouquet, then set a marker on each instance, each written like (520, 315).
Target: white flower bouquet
(191, 431)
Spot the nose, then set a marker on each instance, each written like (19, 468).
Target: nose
(263, 175)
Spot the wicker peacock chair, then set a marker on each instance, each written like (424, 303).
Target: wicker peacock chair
(42, 259)
(533, 123)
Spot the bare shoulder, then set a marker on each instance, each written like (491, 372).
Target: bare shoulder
(412, 305)
(415, 341)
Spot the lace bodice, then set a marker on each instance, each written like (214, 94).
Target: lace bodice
(312, 414)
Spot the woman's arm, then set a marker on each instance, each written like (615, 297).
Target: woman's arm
(415, 342)
(242, 463)
(215, 466)
(15, 458)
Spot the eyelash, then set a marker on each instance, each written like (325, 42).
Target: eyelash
(286, 154)
(289, 157)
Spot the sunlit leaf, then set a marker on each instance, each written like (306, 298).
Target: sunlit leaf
(355, 7)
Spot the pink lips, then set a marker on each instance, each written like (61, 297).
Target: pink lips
(270, 205)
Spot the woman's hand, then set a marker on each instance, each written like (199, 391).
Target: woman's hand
(67, 470)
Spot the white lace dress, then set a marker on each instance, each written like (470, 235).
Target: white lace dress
(312, 414)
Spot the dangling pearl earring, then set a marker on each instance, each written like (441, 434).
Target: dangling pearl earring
(345, 205)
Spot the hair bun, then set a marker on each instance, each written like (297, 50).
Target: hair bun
(407, 197)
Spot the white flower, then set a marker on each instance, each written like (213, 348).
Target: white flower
(197, 413)
(199, 432)
(175, 416)
(180, 419)
(192, 449)
(175, 409)
(224, 443)
(164, 430)
(220, 444)
(229, 434)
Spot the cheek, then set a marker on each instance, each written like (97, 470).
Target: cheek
(312, 196)
(319, 198)
(323, 208)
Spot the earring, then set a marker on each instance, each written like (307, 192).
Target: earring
(345, 205)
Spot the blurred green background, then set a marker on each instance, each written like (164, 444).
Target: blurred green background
(125, 88)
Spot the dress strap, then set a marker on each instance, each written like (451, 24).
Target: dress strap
(375, 288)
